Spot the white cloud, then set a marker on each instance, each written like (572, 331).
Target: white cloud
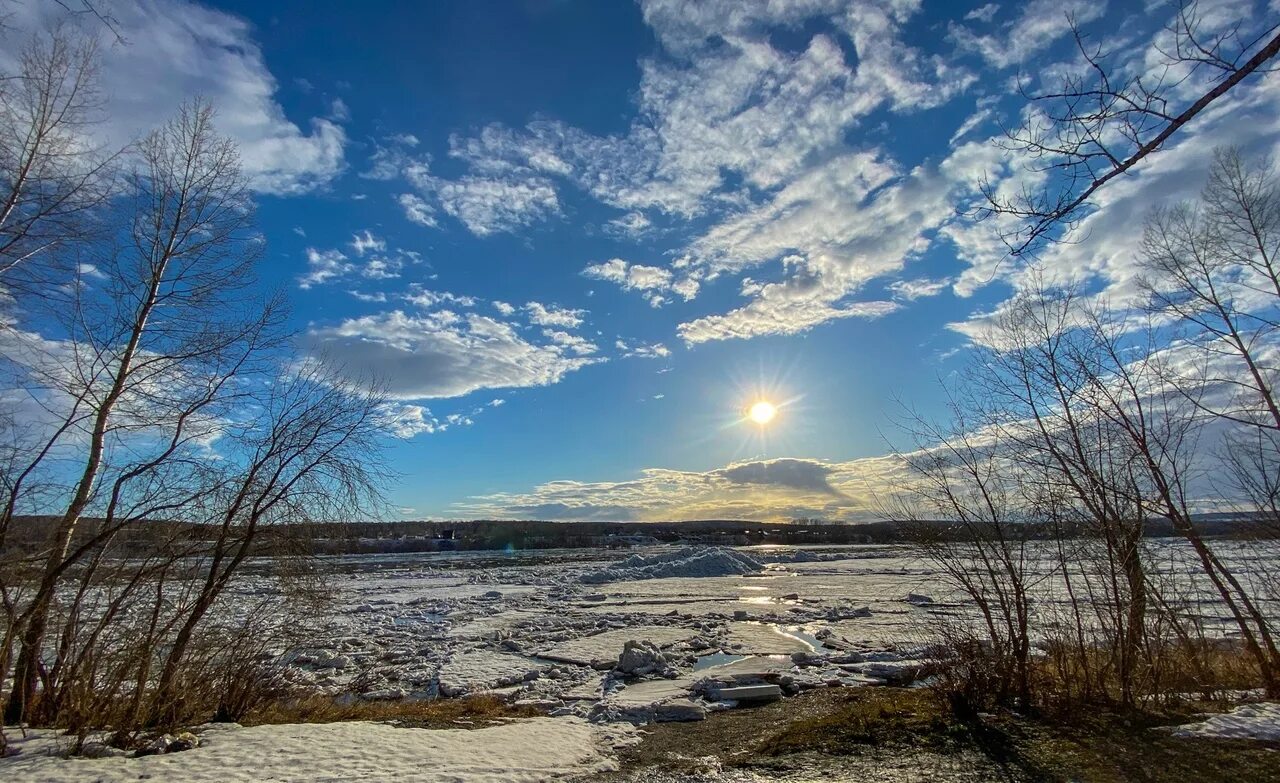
(651, 281)
(180, 50)
(408, 420)
(983, 13)
(832, 230)
(632, 224)
(366, 242)
(642, 350)
(324, 266)
(418, 210)
(339, 111)
(551, 315)
(488, 205)
(918, 288)
(427, 299)
(723, 107)
(441, 353)
(1041, 23)
(1102, 251)
(507, 187)
(778, 489)
(575, 344)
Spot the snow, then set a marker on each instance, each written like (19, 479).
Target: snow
(688, 562)
(1259, 721)
(530, 750)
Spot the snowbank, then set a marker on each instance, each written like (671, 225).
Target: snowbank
(1249, 721)
(530, 750)
(688, 562)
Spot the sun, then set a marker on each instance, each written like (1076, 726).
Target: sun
(762, 412)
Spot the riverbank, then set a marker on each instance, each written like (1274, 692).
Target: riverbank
(908, 734)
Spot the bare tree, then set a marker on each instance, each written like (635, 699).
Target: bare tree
(1110, 115)
(1039, 381)
(148, 367)
(52, 176)
(310, 457)
(963, 475)
(1210, 268)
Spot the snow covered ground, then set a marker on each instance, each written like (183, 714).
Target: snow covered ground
(714, 627)
(538, 749)
(1248, 721)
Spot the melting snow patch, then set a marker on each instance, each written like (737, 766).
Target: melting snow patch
(1249, 721)
(688, 562)
(530, 750)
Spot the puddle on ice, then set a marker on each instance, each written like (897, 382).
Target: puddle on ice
(716, 659)
(800, 633)
(766, 600)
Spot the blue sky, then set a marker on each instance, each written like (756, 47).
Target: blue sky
(577, 238)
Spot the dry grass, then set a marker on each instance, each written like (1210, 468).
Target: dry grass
(830, 733)
(473, 711)
(868, 716)
(1170, 675)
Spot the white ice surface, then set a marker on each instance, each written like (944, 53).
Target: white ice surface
(760, 639)
(540, 749)
(605, 647)
(476, 670)
(649, 692)
(688, 562)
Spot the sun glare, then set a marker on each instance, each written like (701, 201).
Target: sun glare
(762, 412)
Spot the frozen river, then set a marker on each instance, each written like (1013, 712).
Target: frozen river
(549, 628)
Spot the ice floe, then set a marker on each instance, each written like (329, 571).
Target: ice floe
(688, 562)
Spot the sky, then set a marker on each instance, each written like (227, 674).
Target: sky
(577, 239)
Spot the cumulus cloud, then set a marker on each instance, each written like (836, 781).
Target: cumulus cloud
(376, 262)
(324, 266)
(183, 50)
(775, 490)
(642, 350)
(407, 420)
(442, 353)
(575, 344)
(551, 315)
(803, 475)
(1101, 252)
(653, 282)
(722, 106)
